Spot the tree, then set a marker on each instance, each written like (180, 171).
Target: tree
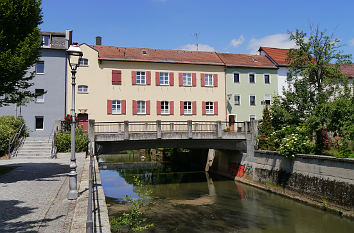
(266, 130)
(317, 81)
(19, 48)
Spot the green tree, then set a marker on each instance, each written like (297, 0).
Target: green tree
(265, 129)
(19, 48)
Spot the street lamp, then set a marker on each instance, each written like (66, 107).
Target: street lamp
(74, 55)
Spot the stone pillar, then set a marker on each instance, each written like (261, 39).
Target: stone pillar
(219, 129)
(126, 130)
(158, 129)
(189, 126)
(91, 135)
(210, 160)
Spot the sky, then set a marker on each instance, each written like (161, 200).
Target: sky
(234, 26)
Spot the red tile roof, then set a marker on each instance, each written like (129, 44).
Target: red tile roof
(156, 55)
(245, 60)
(279, 56)
(348, 70)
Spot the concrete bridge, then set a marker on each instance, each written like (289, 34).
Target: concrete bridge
(110, 137)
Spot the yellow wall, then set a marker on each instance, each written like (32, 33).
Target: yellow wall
(98, 78)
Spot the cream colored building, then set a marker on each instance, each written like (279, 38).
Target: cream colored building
(118, 84)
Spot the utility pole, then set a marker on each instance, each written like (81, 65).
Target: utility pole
(196, 39)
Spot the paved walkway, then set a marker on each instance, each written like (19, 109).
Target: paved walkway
(33, 195)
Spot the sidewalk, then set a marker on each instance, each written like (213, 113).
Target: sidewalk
(33, 196)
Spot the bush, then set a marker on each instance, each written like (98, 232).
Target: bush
(63, 140)
(8, 127)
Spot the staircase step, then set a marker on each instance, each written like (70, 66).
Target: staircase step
(33, 157)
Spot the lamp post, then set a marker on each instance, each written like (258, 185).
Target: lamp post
(74, 55)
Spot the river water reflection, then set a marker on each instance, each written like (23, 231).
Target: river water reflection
(194, 201)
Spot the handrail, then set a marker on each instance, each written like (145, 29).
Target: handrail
(53, 151)
(89, 222)
(14, 139)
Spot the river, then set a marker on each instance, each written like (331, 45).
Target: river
(194, 201)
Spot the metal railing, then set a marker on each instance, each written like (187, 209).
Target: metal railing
(14, 143)
(53, 151)
(89, 221)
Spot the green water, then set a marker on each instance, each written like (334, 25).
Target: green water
(193, 201)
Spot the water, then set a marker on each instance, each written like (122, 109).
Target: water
(194, 201)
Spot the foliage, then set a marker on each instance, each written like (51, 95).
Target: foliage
(265, 130)
(8, 127)
(19, 48)
(134, 219)
(63, 140)
(67, 122)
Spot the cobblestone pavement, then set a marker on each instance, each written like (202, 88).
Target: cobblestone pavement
(33, 196)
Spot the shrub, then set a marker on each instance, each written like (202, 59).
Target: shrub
(8, 127)
(63, 140)
(265, 130)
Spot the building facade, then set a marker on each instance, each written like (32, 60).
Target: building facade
(50, 79)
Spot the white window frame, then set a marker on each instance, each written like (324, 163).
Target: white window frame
(252, 116)
(164, 78)
(254, 100)
(43, 40)
(165, 107)
(238, 77)
(208, 80)
(35, 123)
(239, 99)
(40, 62)
(249, 78)
(116, 107)
(265, 78)
(39, 99)
(187, 107)
(209, 107)
(187, 79)
(267, 97)
(141, 78)
(140, 107)
(82, 89)
(83, 62)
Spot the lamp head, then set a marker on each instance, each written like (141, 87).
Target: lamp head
(74, 55)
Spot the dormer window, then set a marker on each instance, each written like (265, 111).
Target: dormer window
(45, 40)
(144, 52)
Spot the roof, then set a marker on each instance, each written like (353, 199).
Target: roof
(156, 55)
(348, 70)
(279, 56)
(245, 60)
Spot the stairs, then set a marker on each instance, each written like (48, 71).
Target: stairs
(35, 147)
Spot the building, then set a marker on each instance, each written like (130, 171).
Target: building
(139, 84)
(251, 81)
(51, 80)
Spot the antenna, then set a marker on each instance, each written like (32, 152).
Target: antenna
(196, 39)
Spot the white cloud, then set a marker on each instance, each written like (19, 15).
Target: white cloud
(275, 40)
(352, 42)
(236, 42)
(201, 47)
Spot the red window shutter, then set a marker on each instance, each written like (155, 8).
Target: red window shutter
(148, 107)
(216, 109)
(215, 80)
(116, 77)
(109, 107)
(181, 107)
(123, 107)
(172, 79)
(194, 79)
(157, 78)
(158, 105)
(148, 77)
(134, 107)
(203, 108)
(133, 77)
(172, 110)
(180, 79)
(202, 79)
(194, 107)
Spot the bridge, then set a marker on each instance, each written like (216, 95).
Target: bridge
(110, 137)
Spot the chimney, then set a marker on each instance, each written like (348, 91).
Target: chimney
(68, 38)
(98, 40)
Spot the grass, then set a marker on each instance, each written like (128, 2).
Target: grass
(5, 169)
(274, 185)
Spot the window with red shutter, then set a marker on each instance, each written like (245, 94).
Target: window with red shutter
(203, 108)
(171, 79)
(181, 107)
(157, 78)
(172, 110)
(180, 79)
(109, 107)
(133, 77)
(158, 106)
(123, 107)
(215, 80)
(148, 77)
(116, 77)
(202, 80)
(134, 107)
(216, 108)
(148, 107)
(194, 79)
(194, 107)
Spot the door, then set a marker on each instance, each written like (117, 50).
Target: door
(232, 122)
(82, 119)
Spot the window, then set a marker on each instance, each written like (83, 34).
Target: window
(252, 100)
(187, 107)
(187, 79)
(266, 79)
(252, 78)
(289, 78)
(140, 77)
(83, 62)
(209, 107)
(208, 79)
(40, 97)
(252, 117)
(39, 123)
(165, 107)
(140, 107)
(82, 89)
(267, 98)
(45, 40)
(237, 99)
(236, 77)
(116, 107)
(40, 67)
(164, 78)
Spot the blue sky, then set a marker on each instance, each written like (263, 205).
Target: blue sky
(236, 26)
